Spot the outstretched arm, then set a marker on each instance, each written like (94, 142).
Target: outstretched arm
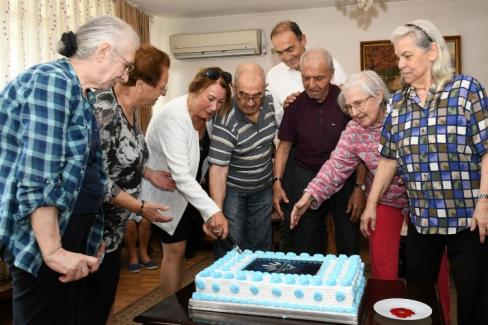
(384, 174)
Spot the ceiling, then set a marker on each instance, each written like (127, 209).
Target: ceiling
(211, 8)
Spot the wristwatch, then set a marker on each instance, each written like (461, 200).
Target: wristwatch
(362, 187)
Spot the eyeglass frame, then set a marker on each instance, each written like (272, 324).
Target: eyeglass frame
(128, 66)
(164, 90)
(256, 98)
(357, 104)
(216, 74)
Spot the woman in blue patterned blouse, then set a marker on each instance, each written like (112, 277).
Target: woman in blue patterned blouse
(436, 135)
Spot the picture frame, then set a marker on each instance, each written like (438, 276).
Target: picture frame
(379, 56)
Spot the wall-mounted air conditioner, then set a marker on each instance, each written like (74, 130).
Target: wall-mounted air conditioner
(205, 45)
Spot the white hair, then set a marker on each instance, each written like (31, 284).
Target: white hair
(424, 33)
(369, 82)
(318, 53)
(103, 29)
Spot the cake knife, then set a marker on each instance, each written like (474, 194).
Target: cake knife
(234, 243)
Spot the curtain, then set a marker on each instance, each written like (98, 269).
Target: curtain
(31, 29)
(140, 22)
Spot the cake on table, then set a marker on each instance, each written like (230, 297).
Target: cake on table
(288, 285)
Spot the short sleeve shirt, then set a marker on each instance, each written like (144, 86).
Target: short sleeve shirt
(124, 155)
(245, 147)
(438, 147)
(314, 128)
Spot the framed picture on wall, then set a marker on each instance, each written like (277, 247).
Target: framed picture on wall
(380, 56)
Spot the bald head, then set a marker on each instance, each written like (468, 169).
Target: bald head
(251, 72)
(250, 87)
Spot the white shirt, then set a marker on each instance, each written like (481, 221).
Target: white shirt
(173, 145)
(283, 81)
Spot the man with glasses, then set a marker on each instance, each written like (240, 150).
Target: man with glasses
(241, 162)
(284, 78)
(312, 124)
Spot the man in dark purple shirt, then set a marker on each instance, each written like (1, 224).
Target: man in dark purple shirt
(313, 124)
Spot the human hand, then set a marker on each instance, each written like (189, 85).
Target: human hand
(300, 208)
(368, 220)
(152, 212)
(160, 179)
(71, 266)
(290, 99)
(356, 204)
(100, 256)
(278, 196)
(480, 218)
(217, 226)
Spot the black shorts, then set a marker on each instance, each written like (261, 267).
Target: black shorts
(183, 230)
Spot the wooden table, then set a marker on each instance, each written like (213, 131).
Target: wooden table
(174, 309)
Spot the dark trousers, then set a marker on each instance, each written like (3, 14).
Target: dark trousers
(46, 300)
(468, 259)
(101, 288)
(310, 235)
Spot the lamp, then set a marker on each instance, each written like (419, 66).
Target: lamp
(364, 4)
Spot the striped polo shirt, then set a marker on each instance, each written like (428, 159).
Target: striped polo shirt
(245, 147)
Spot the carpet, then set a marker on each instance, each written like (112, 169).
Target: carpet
(127, 314)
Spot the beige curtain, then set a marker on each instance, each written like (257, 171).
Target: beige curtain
(140, 22)
(31, 29)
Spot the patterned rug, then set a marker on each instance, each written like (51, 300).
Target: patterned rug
(127, 314)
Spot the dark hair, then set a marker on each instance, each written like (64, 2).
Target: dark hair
(148, 65)
(287, 25)
(69, 41)
(209, 76)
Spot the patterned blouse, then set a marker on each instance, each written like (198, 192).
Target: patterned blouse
(124, 156)
(438, 147)
(357, 144)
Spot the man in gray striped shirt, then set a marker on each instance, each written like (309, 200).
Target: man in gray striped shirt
(241, 162)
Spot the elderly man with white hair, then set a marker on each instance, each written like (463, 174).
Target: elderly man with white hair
(312, 124)
(241, 162)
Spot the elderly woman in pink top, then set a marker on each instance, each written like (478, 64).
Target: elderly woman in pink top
(363, 97)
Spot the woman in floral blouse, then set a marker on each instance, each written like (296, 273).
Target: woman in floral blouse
(125, 154)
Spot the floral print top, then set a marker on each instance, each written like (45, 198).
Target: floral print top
(124, 157)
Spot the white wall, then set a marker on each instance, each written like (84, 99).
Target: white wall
(330, 28)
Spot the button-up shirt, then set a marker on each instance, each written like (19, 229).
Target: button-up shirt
(438, 147)
(45, 135)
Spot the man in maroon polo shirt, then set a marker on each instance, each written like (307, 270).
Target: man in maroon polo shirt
(313, 123)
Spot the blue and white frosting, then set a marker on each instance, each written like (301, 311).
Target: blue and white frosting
(336, 287)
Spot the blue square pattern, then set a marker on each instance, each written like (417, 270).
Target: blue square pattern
(460, 111)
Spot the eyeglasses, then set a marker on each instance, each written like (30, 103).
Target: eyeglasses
(357, 104)
(256, 98)
(216, 74)
(128, 66)
(164, 90)
(422, 30)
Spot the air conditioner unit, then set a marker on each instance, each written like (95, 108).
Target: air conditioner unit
(206, 45)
